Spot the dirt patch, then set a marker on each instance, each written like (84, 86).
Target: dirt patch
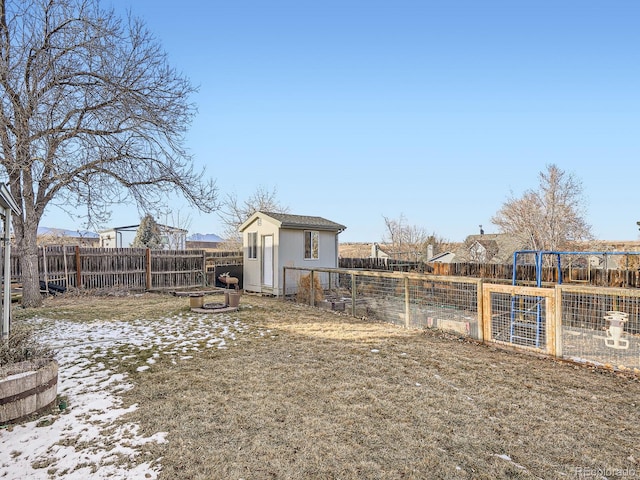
(310, 393)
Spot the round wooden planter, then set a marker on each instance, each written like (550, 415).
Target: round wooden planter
(27, 388)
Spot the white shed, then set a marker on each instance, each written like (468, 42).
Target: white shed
(271, 241)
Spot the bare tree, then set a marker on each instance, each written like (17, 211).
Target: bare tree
(176, 227)
(406, 241)
(233, 212)
(552, 217)
(91, 115)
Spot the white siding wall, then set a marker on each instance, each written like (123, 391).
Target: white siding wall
(108, 239)
(252, 270)
(291, 252)
(288, 250)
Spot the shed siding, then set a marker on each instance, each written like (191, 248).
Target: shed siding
(252, 272)
(288, 250)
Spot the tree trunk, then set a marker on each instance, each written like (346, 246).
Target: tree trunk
(28, 254)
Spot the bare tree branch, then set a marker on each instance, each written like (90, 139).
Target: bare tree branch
(551, 217)
(233, 212)
(91, 114)
(407, 242)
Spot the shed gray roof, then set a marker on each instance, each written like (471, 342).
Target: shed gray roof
(304, 221)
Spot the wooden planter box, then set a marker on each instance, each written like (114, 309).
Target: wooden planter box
(27, 388)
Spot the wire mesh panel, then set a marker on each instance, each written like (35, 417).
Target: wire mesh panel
(601, 326)
(408, 299)
(380, 298)
(292, 280)
(519, 316)
(598, 325)
(446, 305)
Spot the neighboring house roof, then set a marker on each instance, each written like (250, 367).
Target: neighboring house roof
(302, 222)
(133, 228)
(444, 257)
(490, 248)
(204, 237)
(61, 232)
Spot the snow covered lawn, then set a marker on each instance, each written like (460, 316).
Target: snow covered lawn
(91, 438)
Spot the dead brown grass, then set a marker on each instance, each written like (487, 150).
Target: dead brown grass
(304, 289)
(307, 393)
(122, 306)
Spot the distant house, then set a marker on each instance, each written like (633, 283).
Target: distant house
(272, 241)
(444, 257)
(61, 236)
(199, 241)
(377, 252)
(172, 238)
(485, 248)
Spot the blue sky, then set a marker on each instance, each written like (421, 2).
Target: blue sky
(434, 110)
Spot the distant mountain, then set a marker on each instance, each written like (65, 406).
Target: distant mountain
(204, 237)
(61, 232)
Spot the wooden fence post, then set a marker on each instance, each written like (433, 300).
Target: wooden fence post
(284, 283)
(78, 269)
(557, 321)
(550, 324)
(312, 289)
(66, 270)
(44, 264)
(204, 269)
(486, 315)
(353, 294)
(147, 267)
(481, 318)
(407, 304)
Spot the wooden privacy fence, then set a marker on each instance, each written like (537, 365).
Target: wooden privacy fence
(585, 324)
(383, 264)
(503, 273)
(125, 268)
(605, 277)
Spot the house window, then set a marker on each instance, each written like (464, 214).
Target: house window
(311, 241)
(478, 254)
(252, 241)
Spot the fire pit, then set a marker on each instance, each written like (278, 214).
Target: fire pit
(215, 308)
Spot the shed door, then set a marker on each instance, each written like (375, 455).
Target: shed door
(267, 261)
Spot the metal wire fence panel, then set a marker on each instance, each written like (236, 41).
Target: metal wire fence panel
(522, 317)
(411, 300)
(380, 298)
(446, 305)
(601, 326)
(519, 320)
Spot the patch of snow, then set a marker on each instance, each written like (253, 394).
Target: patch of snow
(84, 440)
(508, 459)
